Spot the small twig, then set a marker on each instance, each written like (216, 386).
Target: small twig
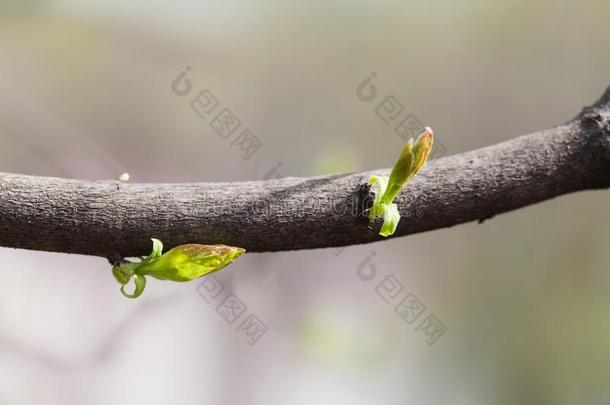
(101, 218)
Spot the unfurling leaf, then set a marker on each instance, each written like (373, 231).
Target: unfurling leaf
(139, 282)
(390, 220)
(377, 209)
(182, 263)
(412, 158)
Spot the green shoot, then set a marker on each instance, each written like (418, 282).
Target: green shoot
(411, 160)
(182, 263)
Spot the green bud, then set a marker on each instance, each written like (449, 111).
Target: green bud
(401, 172)
(410, 161)
(182, 263)
(188, 262)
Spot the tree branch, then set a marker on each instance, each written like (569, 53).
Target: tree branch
(114, 219)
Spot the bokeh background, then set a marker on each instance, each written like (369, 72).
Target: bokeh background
(85, 93)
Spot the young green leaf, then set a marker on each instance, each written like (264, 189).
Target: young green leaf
(411, 159)
(390, 220)
(122, 274)
(139, 282)
(157, 251)
(378, 209)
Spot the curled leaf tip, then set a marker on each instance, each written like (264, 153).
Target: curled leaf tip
(139, 284)
(182, 263)
(412, 158)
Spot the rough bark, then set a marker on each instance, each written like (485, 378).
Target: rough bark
(114, 219)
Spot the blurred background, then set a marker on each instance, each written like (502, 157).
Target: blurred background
(521, 302)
